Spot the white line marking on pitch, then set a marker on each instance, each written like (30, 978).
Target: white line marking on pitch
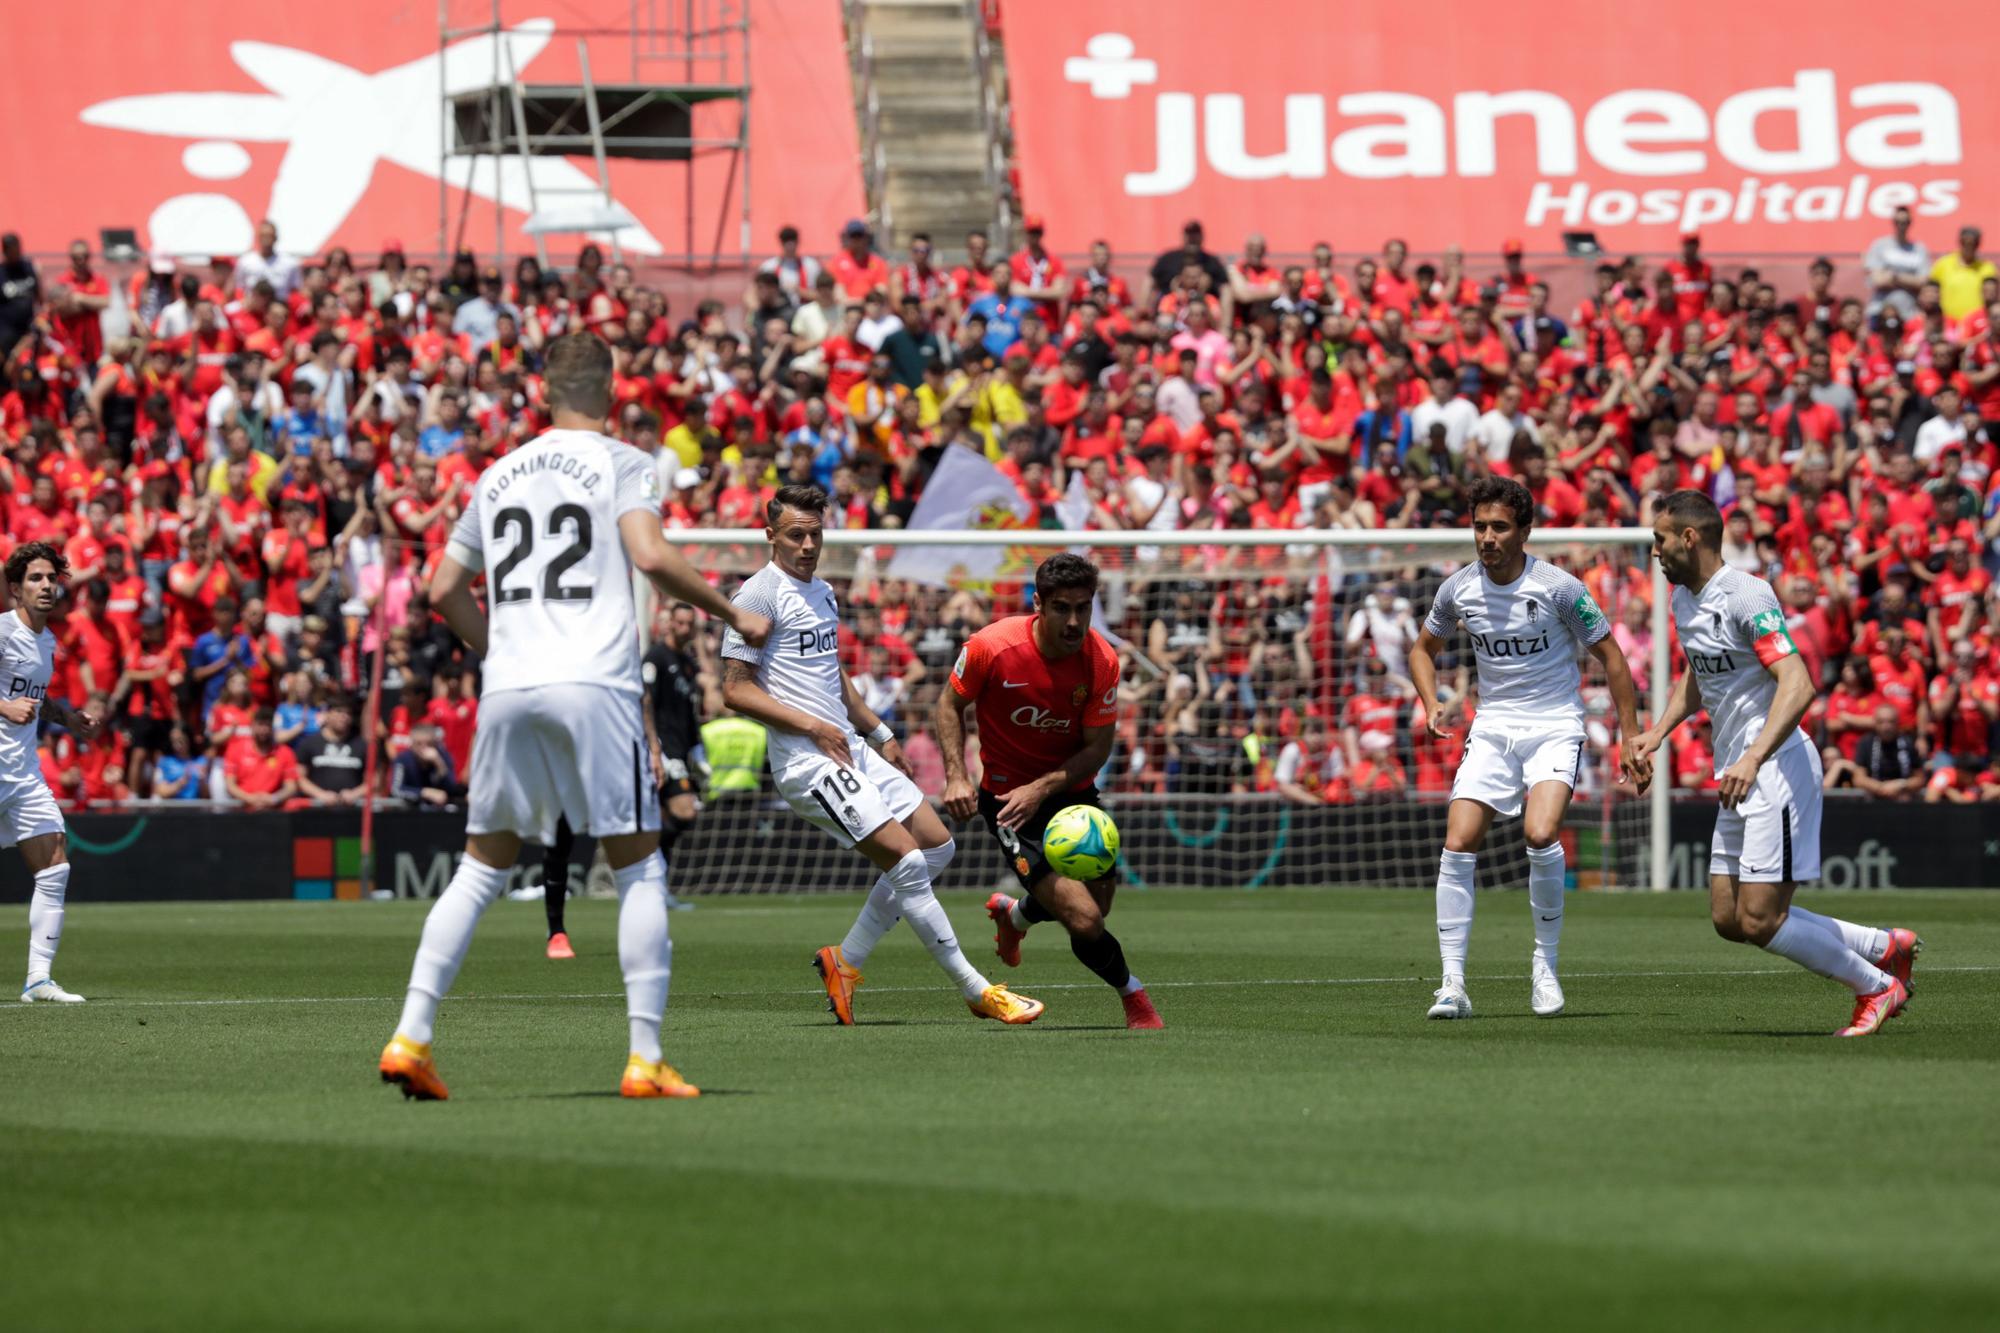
(913, 990)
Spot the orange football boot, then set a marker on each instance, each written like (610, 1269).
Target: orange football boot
(653, 1078)
(409, 1064)
(997, 1002)
(559, 945)
(840, 981)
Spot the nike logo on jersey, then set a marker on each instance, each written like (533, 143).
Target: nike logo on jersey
(1012, 684)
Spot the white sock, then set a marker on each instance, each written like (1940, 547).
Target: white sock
(1454, 909)
(879, 915)
(45, 920)
(1015, 916)
(1822, 952)
(1867, 941)
(1132, 986)
(1545, 898)
(912, 882)
(645, 950)
(447, 939)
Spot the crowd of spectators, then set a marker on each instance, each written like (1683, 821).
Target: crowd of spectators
(252, 464)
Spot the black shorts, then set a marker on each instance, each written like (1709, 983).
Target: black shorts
(1023, 846)
(146, 733)
(678, 779)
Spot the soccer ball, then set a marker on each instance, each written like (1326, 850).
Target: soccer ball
(1081, 842)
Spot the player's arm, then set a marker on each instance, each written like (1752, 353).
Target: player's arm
(1625, 698)
(871, 727)
(948, 725)
(742, 694)
(1025, 799)
(652, 736)
(1788, 709)
(451, 598)
(1682, 701)
(80, 722)
(676, 580)
(1423, 675)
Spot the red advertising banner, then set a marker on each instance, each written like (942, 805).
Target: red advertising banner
(191, 123)
(1790, 126)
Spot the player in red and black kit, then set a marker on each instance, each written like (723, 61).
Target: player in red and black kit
(1046, 691)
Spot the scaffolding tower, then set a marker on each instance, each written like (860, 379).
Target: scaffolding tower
(669, 57)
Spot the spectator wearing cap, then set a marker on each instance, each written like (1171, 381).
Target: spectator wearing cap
(1692, 278)
(1961, 276)
(1039, 276)
(1514, 281)
(477, 320)
(855, 266)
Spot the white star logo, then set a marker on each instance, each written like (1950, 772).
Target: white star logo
(1108, 67)
(338, 122)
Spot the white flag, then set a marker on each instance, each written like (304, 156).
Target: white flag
(965, 492)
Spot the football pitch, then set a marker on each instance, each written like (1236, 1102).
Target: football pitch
(206, 1144)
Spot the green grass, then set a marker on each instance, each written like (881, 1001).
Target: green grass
(1685, 1148)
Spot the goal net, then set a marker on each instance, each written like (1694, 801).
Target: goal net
(1267, 735)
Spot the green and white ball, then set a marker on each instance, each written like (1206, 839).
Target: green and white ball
(1081, 842)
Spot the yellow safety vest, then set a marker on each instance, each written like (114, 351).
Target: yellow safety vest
(735, 748)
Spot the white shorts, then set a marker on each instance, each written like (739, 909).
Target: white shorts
(848, 803)
(1772, 836)
(1500, 766)
(27, 810)
(555, 751)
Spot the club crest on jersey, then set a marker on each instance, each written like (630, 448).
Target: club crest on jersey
(1082, 693)
(1534, 610)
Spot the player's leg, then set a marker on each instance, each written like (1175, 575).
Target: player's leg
(1488, 782)
(1021, 850)
(646, 960)
(1892, 949)
(879, 914)
(476, 885)
(511, 791)
(1763, 848)
(555, 888)
(1466, 823)
(1550, 772)
(678, 811)
(47, 856)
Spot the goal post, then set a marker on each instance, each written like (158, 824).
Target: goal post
(1230, 641)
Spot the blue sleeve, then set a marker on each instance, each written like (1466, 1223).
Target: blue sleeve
(1403, 430)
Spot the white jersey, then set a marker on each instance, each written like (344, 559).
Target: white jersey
(1527, 637)
(27, 660)
(799, 665)
(543, 524)
(1733, 632)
